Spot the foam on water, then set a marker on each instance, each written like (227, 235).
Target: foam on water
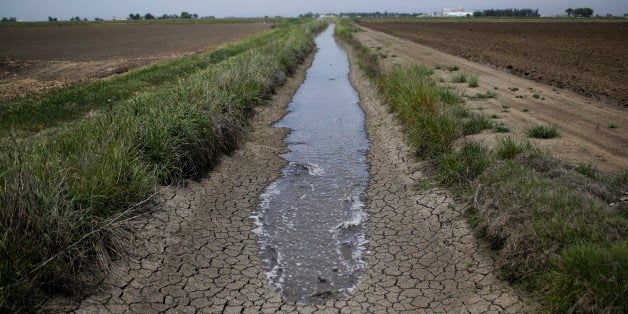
(310, 221)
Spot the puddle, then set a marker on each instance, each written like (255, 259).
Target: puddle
(310, 221)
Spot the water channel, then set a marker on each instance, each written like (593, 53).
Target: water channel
(310, 221)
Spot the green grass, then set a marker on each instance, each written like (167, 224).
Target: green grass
(513, 89)
(460, 78)
(551, 226)
(24, 115)
(473, 81)
(476, 123)
(508, 148)
(543, 131)
(501, 128)
(63, 189)
(478, 96)
(453, 68)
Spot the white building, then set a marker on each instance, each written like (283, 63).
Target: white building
(456, 12)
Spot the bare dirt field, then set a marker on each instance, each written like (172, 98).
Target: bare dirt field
(35, 59)
(590, 58)
(591, 132)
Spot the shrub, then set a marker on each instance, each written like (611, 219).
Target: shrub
(460, 78)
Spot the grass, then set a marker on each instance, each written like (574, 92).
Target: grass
(453, 68)
(501, 128)
(460, 78)
(478, 96)
(25, 115)
(513, 89)
(557, 231)
(508, 148)
(473, 81)
(476, 123)
(613, 126)
(543, 132)
(64, 189)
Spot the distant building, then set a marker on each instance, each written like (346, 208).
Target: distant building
(455, 12)
(119, 19)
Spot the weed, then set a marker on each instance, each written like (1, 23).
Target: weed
(394, 56)
(513, 89)
(453, 68)
(543, 131)
(505, 106)
(526, 110)
(520, 96)
(463, 165)
(613, 126)
(438, 67)
(487, 95)
(460, 78)
(507, 148)
(494, 116)
(473, 80)
(536, 96)
(501, 128)
(476, 123)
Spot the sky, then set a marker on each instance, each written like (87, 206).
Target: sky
(33, 10)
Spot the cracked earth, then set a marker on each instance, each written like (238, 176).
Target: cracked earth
(197, 251)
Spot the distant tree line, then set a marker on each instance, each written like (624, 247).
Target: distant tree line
(149, 16)
(8, 19)
(380, 14)
(508, 13)
(579, 12)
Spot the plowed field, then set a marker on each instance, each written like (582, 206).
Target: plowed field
(590, 58)
(34, 59)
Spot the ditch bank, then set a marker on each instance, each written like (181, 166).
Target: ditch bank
(198, 251)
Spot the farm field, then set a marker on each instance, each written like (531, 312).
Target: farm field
(36, 59)
(591, 131)
(588, 58)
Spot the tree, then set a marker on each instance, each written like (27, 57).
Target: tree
(583, 12)
(149, 16)
(186, 15)
(569, 12)
(52, 19)
(135, 16)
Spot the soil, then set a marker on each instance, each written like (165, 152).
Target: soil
(591, 132)
(590, 58)
(197, 251)
(36, 59)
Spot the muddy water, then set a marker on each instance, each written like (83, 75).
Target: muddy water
(310, 220)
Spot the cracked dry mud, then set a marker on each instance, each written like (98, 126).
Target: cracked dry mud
(197, 252)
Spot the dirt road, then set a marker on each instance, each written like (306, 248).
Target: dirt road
(197, 252)
(590, 132)
(589, 57)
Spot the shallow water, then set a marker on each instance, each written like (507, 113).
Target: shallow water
(311, 219)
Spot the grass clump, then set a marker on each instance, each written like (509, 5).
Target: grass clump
(463, 165)
(479, 96)
(501, 128)
(473, 81)
(476, 124)
(613, 126)
(460, 78)
(513, 89)
(543, 131)
(566, 245)
(65, 189)
(453, 68)
(508, 148)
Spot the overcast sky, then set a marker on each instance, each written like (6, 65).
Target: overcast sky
(63, 9)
